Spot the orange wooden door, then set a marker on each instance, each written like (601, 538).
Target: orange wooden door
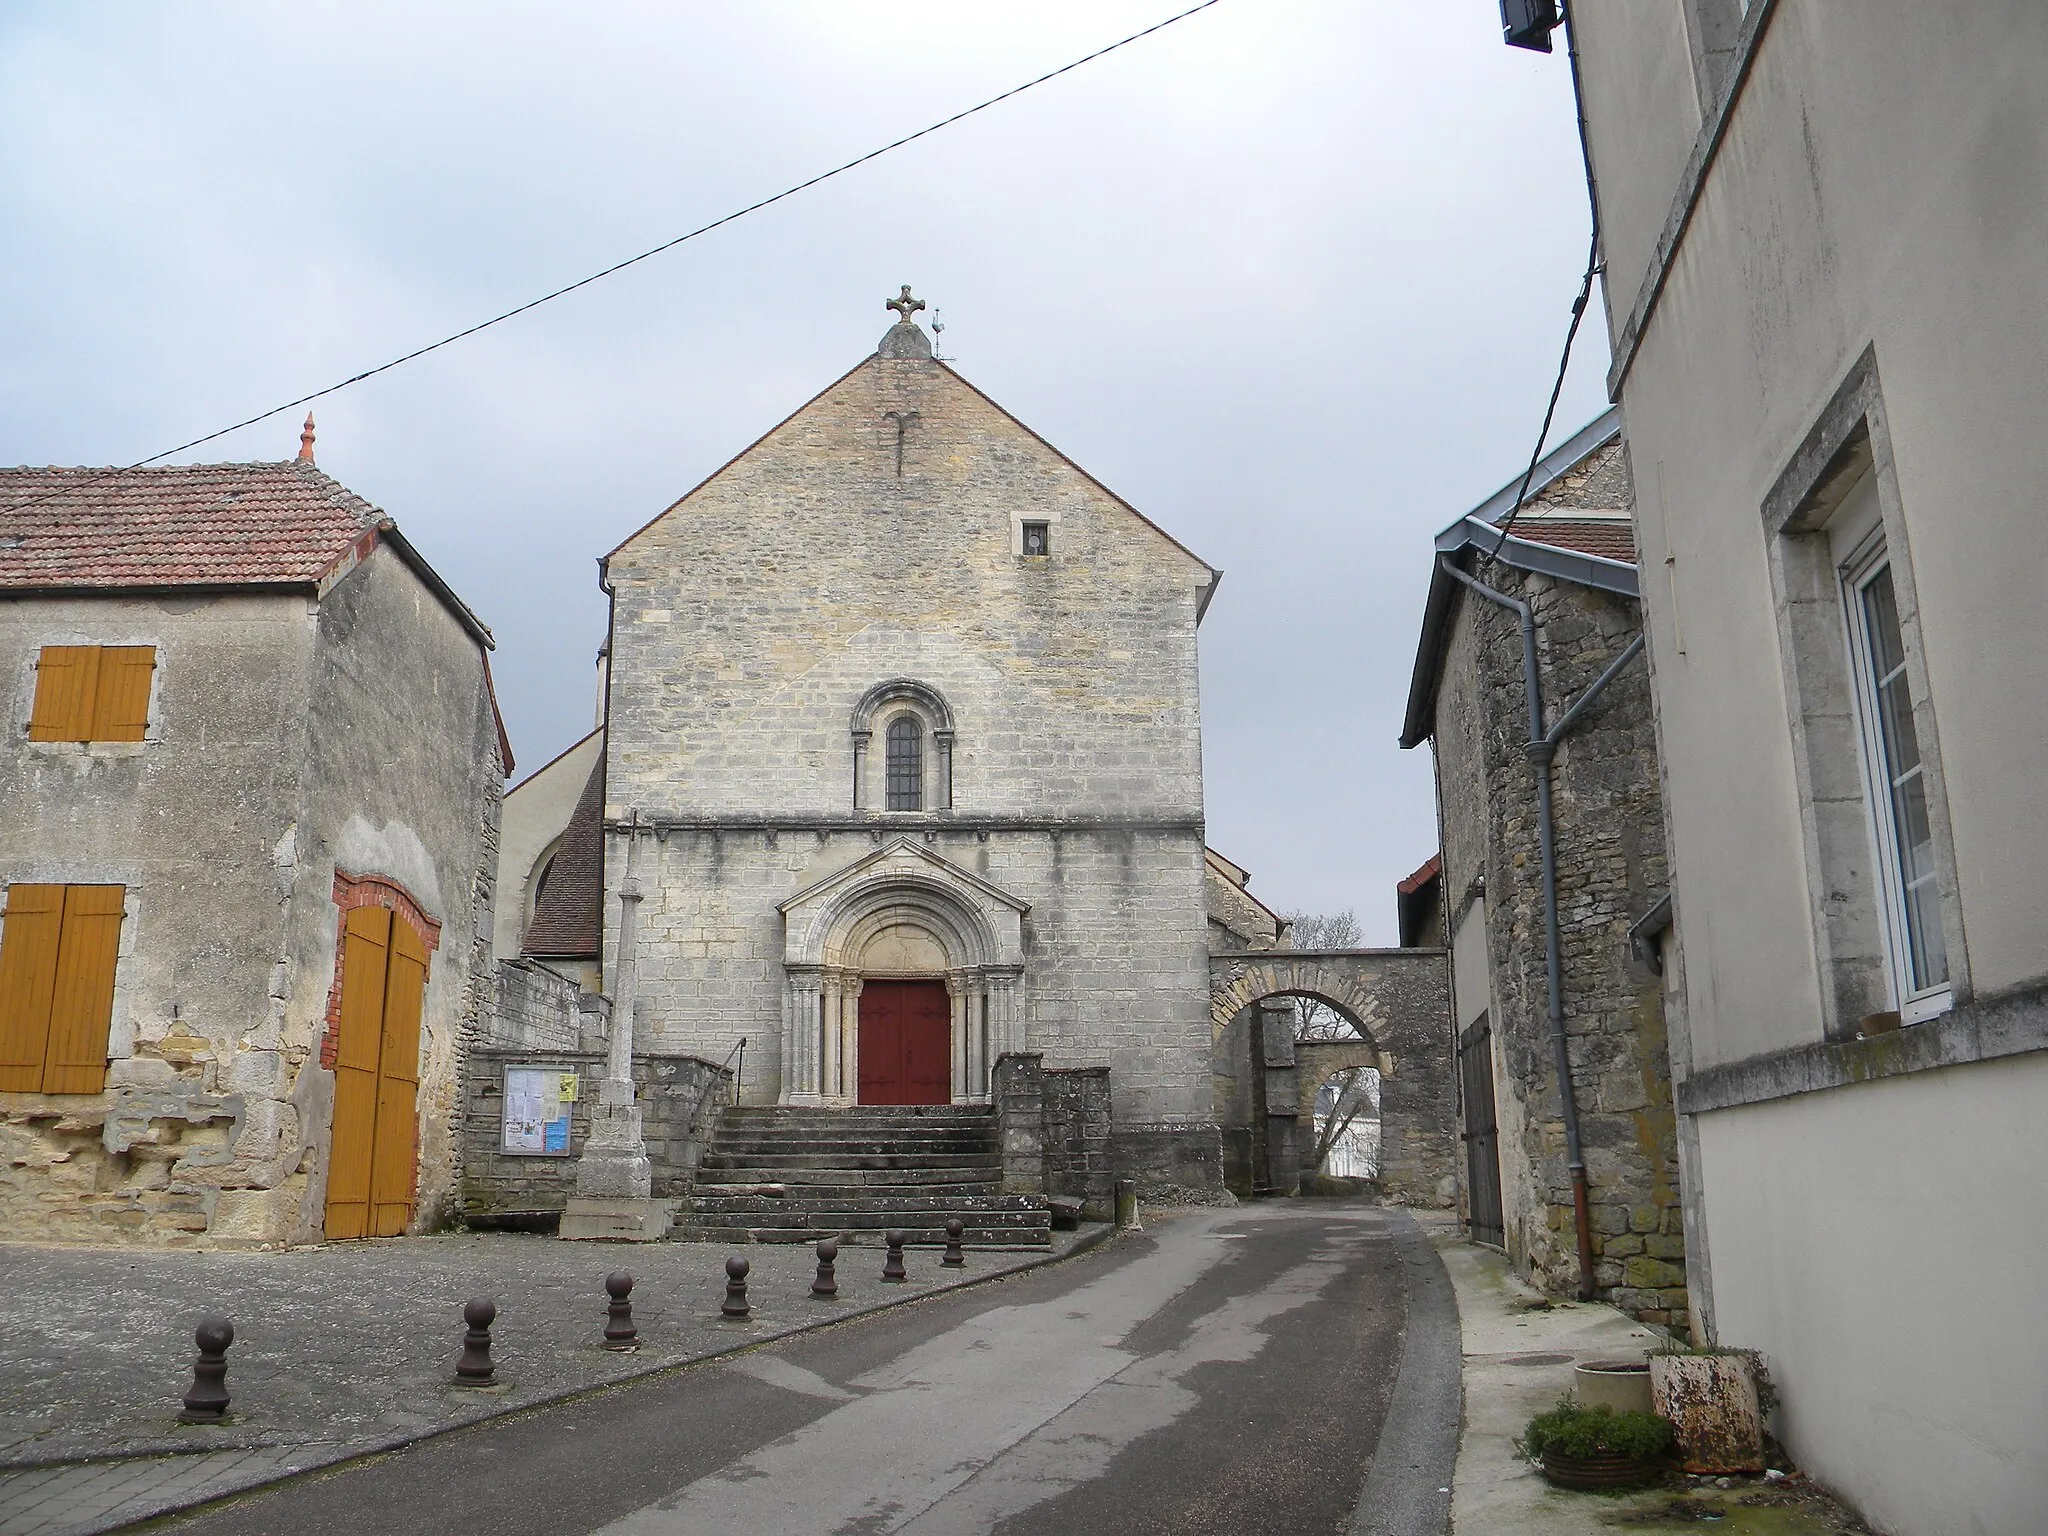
(365, 965)
(376, 1077)
(398, 1074)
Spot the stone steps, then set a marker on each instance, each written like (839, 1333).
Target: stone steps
(796, 1174)
(990, 1164)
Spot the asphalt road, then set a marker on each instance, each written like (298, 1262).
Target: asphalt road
(1228, 1371)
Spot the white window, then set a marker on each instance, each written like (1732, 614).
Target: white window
(1897, 780)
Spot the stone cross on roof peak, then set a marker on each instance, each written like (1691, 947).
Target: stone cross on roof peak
(905, 338)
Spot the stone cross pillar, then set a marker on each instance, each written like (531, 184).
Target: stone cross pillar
(614, 1180)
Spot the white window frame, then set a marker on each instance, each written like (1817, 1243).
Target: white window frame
(1915, 1004)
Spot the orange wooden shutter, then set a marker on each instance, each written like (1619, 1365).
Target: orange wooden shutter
(391, 1179)
(82, 1005)
(366, 942)
(67, 678)
(121, 704)
(28, 977)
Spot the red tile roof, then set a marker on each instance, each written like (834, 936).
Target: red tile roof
(568, 924)
(1430, 870)
(189, 525)
(1612, 539)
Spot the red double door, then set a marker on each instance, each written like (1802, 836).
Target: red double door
(906, 1039)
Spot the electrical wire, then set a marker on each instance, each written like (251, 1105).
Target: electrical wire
(1594, 268)
(620, 266)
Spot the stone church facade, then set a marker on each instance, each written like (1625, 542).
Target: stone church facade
(904, 730)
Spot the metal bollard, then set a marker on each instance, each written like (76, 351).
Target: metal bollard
(207, 1401)
(619, 1332)
(827, 1283)
(736, 1288)
(1127, 1205)
(955, 1254)
(892, 1267)
(475, 1369)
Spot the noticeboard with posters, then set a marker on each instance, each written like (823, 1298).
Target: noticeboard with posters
(537, 1107)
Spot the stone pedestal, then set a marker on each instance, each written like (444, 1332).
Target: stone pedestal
(588, 1219)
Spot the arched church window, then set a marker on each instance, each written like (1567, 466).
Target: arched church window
(906, 764)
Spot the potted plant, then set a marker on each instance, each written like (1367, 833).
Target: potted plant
(1598, 1447)
(1718, 1400)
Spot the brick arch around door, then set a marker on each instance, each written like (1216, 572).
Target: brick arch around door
(382, 952)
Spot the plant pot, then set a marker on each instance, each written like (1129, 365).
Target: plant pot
(1623, 1385)
(1711, 1399)
(1603, 1469)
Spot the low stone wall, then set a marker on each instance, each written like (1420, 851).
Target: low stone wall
(540, 1009)
(1058, 1139)
(681, 1098)
(1077, 1138)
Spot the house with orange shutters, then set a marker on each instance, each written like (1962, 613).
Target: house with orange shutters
(249, 788)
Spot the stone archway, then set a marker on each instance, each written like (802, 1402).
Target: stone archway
(902, 913)
(1399, 1002)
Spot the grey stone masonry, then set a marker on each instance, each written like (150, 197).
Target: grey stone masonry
(680, 1100)
(860, 571)
(1078, 1153)
(1397, 1000)
(539, 1009)
(1609, 832)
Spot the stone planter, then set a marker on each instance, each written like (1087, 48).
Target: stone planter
(1623, 1385)
(1711, 1399)
(1603, 1469)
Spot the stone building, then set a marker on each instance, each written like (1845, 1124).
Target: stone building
(1569, 558)
(904, 716)
(248, 818)
(1822, 229)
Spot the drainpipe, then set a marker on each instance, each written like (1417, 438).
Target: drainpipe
(1542, 749)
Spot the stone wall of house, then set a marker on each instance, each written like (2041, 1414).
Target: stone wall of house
(681, 1098)
(1611, 866)
(402, 787)
(837, 554)
(198, 822)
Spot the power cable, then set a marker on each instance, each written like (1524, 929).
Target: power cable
(1594, 268)
(620, 266)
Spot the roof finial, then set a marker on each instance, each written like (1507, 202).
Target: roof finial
(904, 338)
(306, 440)
(905, 306)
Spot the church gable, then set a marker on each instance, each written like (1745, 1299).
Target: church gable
(903, 529)
(899, 440)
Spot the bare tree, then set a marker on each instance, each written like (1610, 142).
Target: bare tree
(1315, 1019)
(1357, 1088)
(1357, 1091)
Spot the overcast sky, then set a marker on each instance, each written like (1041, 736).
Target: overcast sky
(1289, 276)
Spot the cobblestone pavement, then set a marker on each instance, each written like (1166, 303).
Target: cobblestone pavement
(349, 1348)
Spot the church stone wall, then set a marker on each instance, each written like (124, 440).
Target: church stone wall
(1116, 965)
(875, 536)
